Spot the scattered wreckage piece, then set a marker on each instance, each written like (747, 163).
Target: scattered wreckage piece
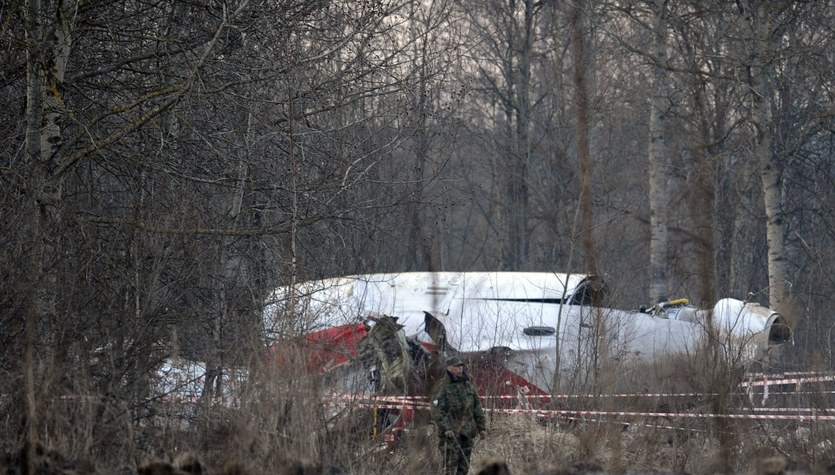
(379, 379)
(183, 381)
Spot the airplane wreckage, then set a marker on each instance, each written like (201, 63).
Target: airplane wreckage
(520, 332)
(381, 339)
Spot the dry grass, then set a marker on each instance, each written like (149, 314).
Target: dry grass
(283, 428)
(243, 443)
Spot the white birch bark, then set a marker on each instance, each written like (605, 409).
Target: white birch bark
(769, 162)
(46, 63)
(770, 173)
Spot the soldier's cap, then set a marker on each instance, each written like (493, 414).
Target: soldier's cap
(454, 361)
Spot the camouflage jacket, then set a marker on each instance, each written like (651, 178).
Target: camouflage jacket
(456, 407)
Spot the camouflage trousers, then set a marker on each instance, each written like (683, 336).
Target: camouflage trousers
(456, 452)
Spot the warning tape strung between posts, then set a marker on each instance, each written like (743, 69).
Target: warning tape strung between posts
(787, 378)
(745, 384)
(635, 424)
(792, 409)
(378, 398)
(527, 396)
(591, 396)
(788, 374)
(411, 402)
(801, 393)
(197, 400)
(401, 400)
(774, 382)
(568, 412)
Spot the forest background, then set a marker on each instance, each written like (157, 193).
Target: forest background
(166, 164)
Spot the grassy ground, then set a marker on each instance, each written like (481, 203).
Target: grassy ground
(281, 427)
(237, 442)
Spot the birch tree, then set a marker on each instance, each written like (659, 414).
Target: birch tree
(48, 36)
(775, 34)
(760, 22)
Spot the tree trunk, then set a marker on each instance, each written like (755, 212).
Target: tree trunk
(771, 167)
(582, 127)
(658, 157)
(518, 113)
(420, 251)
(46, 65)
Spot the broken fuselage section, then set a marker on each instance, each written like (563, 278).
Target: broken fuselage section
(540, 326)
(383, 337)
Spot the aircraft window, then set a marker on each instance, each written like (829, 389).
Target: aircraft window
(524, 300)
(587, 291)
(540, 331)
(582, 297)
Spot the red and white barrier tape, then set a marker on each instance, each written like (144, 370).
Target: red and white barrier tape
(418, 403)
(748, 385)
(775, 382)
(593, 396)
(528, 396)
(792, 409)
(568, 412)
(214, 401)
(788, 374)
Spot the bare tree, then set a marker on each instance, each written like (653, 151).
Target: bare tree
(658, 153)
(510, 35)
(149, 181)
(774, 36)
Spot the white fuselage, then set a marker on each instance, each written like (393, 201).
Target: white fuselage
(538, 319)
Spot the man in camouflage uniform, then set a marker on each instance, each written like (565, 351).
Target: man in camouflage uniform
(458, 416)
